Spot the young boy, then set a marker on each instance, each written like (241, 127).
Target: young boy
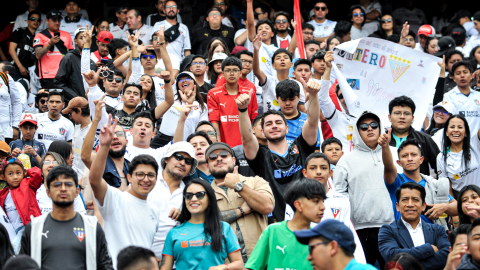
(332, 148)
(319, 65)
(28, 145)
(18, 200)
(285, 252)
(302, 69)
(199, 67)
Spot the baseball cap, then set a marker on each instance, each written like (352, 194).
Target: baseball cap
(76, 102)
(79, 30)
(105, 37)
(330, 229)
(218, 146)
(218, 56)
(186, 73)
(426, 30)
(238, 49)
(460, 14)
(367, 114)
(28, 117)
(444, 44)
(54, 14)
(185, 147)
(21, 261)
(4, 147)
(447, 106)
(459, 34)
(187, 61)
(10, 160)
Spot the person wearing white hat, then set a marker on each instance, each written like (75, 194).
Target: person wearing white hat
(178, 162)
(441, 112)
(27, 144)
(215, 67)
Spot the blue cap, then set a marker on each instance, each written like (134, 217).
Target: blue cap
(330, 229)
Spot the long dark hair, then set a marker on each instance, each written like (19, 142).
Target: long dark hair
(403, 261)
(63, 148)
(473, 61)
(465, 219)
(381, 32)
(6, 250)
(150, 97)
(212, 225)
(429, 39)
(466, 141)
(198, 95)
(207, 55)
(432, 129)
(97, 24)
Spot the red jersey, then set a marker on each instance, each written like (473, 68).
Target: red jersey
(49, 63)
(223, 110)
(245, 83)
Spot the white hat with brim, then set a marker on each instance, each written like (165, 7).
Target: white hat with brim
(447, 106)
(218, 56)
(185, 147)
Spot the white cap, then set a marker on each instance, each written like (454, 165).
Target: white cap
(79, 30)
(447, 106)
(218, 56)
(28, 117)
(185, 147)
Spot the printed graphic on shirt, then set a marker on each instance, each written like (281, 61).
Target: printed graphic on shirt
(80, 233)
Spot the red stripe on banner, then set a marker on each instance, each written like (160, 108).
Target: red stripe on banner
(298, 30)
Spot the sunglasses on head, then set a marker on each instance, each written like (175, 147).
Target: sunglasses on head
(281, 21)
(185, 80)
(200, 195)
(364, 126)
(188, 161)
(322, 8)
(117, 80)
(356, 14)
(146, 56)
(214, 156)
(386, 20)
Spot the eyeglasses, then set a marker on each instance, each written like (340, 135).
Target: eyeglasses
(386, 20)
(200, 195)
(120, 133)
(33, 19)
(59, 184)
(356, 14)
(188, 161)
(214, 156)
(441, 111)
(167, 7)
(364, 126)
(308, 33)
(198, 64)
(43, 101)
(214, 14)
(399, 113)
(117, 80)
(312, 246)
(48, 162)
(247, 61)
(281, 21)
(230, 71)
(141, 175)
(187, 79)
(322, 8)
(409, 39)
(219, 4)
(146, 56)
(211, 133)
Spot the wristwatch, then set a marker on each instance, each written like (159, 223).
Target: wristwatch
(238, 187)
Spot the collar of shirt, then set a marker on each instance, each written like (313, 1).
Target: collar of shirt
(111, 169)
(410, 228)
(162, 184)
(457, 91)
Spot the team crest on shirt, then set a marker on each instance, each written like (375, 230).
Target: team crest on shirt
(36, 41)
(294, 150)
(335, 211)
(456, 176)
(80, 233)
(326, 27)
(225, 33)
(62, 131)
(477, 101)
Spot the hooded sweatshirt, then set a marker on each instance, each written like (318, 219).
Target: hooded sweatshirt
(359, 175)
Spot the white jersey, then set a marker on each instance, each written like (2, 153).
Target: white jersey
(157, 154)
(72, 26)
(21, 21)
(471, 31)
(53, 130)
(455, 169)
(23, 95)
(179, 45)
(5, 221)
(79, 135)
(145, 35)
(337, 207)
(237, 34)
(116, 30)
(468, 106)
(175, 63)
(95, 59)
(438, 139)
(11, 104)
(114, 102)
(195, 116)
(286, 40)
(356, 33)
(473, 42)
(264, 57)
(12, 213)
(324, 29)
(46, 204)
(270, 98)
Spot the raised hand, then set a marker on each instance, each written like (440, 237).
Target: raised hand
(328, 59)
(257, 42)
(455, 256)
(164, 75)
(186, 109)
(405, 29)
(442, 68)
(311, 87)
(231, 179)
(106, 133)
(294, 24)
(91, 77)
(384, 139)
(189, 95)
(161, 34)
(243, 100)
(133, 39)
(99, 104)
(87, 37)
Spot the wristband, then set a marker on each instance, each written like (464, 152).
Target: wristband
(169, 80)
(228, 267)
(242, 110)
(35, 155)
(135, 58)
(241, 211)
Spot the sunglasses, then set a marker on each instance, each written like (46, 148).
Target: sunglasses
(364, 126)
(120, 133)
(214, 156)
(55, 90)
(43, 101)
(146, 56)
(441, 111)
(33, 19)
(117, 80)
(386, 20)
(188, 161)
(200, 195)
(219, 4)
(185, 80)
(358, 14)
(281, 21)
(48, 162)
(167, 7)
(322, 8)
(211, 133)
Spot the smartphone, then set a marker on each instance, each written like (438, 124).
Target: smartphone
(426, 210)
(57, 34)
(104, 61)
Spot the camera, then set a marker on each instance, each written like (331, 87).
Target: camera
(106, 73)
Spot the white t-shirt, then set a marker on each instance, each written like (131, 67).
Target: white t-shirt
(46, 204)
(53, 130)
(117, 31)
(323, 29)
(472, 43)
(157, 154)
(12, 212)
(270, 98)
(469, 106)
(21, 21)
(127, 221)
(239, 33)
(72, 26)
(78, 137)
(264, 57)
(161, 197)
(5, 221)
(175, 63)
(438, 138)
(456, 171)
(195, 116)
(145, 35)
(23, 95)
(355, 33)
(179, 45)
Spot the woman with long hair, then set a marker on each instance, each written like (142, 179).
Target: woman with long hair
(333, 42)
(459, 160)
(101, 24)
(150, 99)
(201, 241)
(468, 201)
(215, 68)
(431, 46)
(64, 149)
(388, 27)
(403, 261)
(441, 112)
(212, 45)
(50, 160)
(475, 57)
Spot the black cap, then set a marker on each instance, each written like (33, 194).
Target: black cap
(187, 61)
(218, 146)
(54, 14)
(367, 114)
(444, 44)
(459, 34)
(460, 14)
(23, 262)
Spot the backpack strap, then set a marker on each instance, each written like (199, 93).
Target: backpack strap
(5, 79)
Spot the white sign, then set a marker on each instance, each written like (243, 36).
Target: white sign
(371, 72)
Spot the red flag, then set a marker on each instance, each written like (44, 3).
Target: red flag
(298, 30)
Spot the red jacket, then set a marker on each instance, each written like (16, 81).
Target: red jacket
(25, 196)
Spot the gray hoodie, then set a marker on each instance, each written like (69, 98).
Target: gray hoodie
(359, 175)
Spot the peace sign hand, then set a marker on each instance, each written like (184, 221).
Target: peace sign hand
(106, 133)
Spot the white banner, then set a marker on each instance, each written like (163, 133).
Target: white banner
(371, 72)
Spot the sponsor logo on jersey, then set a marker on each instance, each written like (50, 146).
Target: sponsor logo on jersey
(184, 244)
(229, 118)
(456, 176)
(279, 173)
(335, 211)
(243, 163)
(36, 41)
(470, 113)
(477, 101)
(80, 233)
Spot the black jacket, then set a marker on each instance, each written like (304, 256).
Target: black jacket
(429, 149)
(467, 263)
(202, 37)
(69, 75)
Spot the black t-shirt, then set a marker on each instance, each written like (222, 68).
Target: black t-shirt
(241, 161)
(204, 90)
(203, 36)
(156, 18)
(280, 170)
(24, 39)
(125, 120)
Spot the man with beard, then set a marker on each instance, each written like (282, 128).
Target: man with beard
(152, 19)
(244, 202)
(281, 21)
(49, 240)
(176, 33)
(41, 101)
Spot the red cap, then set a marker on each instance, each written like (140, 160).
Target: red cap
(105, 37)
(238, 49)
(426, 30)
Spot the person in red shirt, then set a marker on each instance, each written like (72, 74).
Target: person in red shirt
(50, 46)
(221, 103)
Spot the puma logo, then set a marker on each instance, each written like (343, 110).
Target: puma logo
(282, 249)
(45, 234)
(184, 234)
(223, 104)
